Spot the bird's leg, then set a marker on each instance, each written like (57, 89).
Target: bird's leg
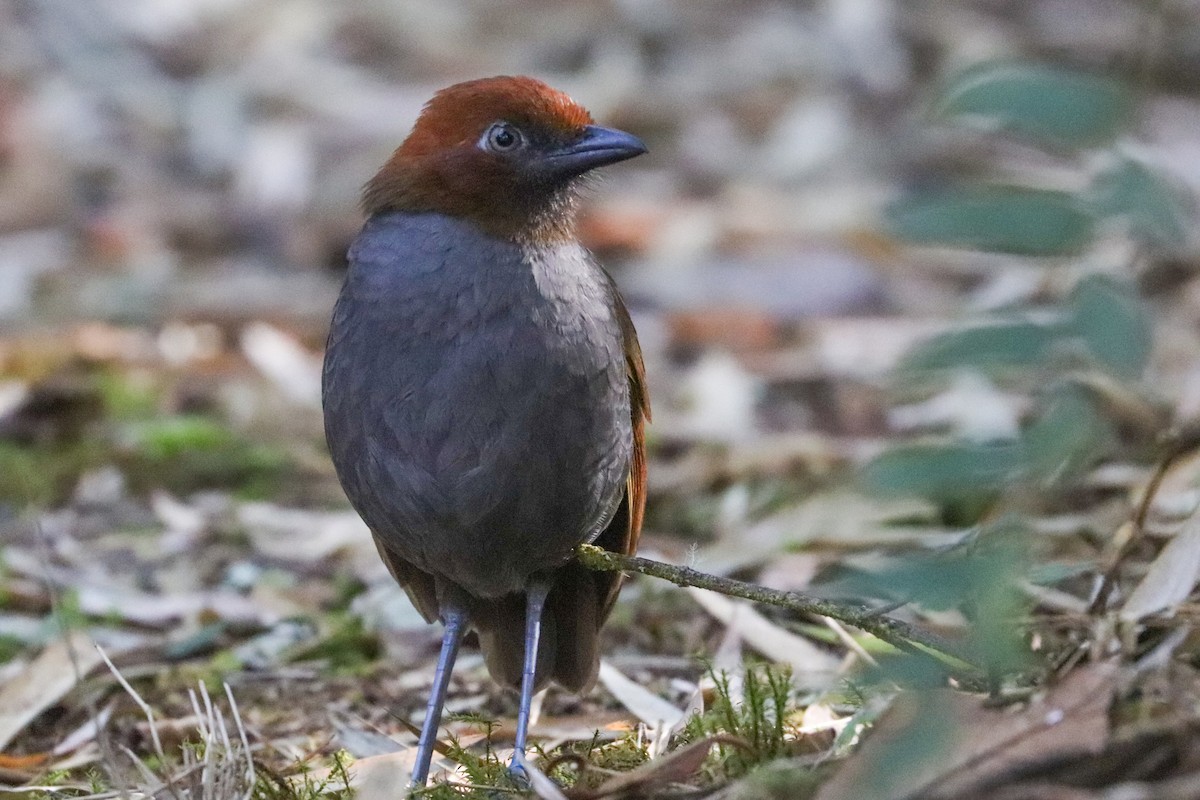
(535, 602)
(455, 619)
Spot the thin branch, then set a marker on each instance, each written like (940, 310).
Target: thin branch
(898, 634)
(1178, 445)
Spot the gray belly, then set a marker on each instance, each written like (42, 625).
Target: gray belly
(494, 468)
(481, 436)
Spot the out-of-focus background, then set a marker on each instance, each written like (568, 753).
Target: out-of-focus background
(914, 281)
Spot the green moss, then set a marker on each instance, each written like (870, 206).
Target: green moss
(269, 785)
(348, 648)
(10, 648)
(44, 475)
(127, 398)
(190, 452)
(486, 772)
(761, 721)
(602, 758)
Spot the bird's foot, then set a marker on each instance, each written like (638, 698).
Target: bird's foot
(518, 772)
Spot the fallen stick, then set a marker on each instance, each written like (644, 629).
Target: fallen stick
(898, 634)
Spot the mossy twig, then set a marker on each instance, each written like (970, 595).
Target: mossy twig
(898, 634)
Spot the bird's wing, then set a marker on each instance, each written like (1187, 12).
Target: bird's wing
(639, 402)
(581, 599)
(623, 532)
(419, 585)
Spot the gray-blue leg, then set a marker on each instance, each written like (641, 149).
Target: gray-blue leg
(535, 603)
(455, 620)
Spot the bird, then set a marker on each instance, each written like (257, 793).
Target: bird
(483, 388)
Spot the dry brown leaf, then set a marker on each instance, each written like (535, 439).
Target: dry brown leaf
(26, 763)
(302, 535)
(1171, 576)
(790, 572)
(732, 328)
(288, 364)
(988, 742)
(640, 701)
(605, 726)
(648, 779)
(44, 682)
(380, 777)
(812, 665)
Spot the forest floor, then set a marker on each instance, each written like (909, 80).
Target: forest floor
(997, 450)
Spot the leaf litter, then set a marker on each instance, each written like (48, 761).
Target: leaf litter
(164, 489)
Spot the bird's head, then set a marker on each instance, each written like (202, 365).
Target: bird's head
(506, 153)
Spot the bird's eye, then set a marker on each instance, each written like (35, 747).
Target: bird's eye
(502, 138)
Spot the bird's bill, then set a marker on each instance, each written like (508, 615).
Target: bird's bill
(596, 147)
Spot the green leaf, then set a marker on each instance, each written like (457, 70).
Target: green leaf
(909, 741)
(987, 561)
(1113, 323)
(1003, 219)
(1158, 212)
(1068, 437)
(986, 348)
(1054, 105)
(946, 472)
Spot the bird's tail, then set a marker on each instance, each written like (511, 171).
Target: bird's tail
(568, 652)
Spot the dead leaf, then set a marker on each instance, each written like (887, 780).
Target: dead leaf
(1071, 718)
(812, 665)
(790, 572)
(302, 535)
(542, 785)
(380, 777)
(280, 357)
(44, 682)
(1171, 576)
(736, 329)
(648, 779)
(604, 726)
(641, 702)
(384, 775)
(26, 763)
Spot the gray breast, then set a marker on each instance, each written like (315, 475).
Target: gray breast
(476, 399)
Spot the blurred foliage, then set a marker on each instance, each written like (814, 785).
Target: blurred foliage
(1003, 219)
(186, 452)
(929, 733)
(10, 648)
(978, 578)
(1103, 323)
(1048, 351)
(1100, 328)
(1113, 323)
(952, 474)
(130, 426)
(41, 475)
(1067, 435)
(1157, 211)
(346, 646)
(1049, 104)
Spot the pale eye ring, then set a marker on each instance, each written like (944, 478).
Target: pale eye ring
(502, 138)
